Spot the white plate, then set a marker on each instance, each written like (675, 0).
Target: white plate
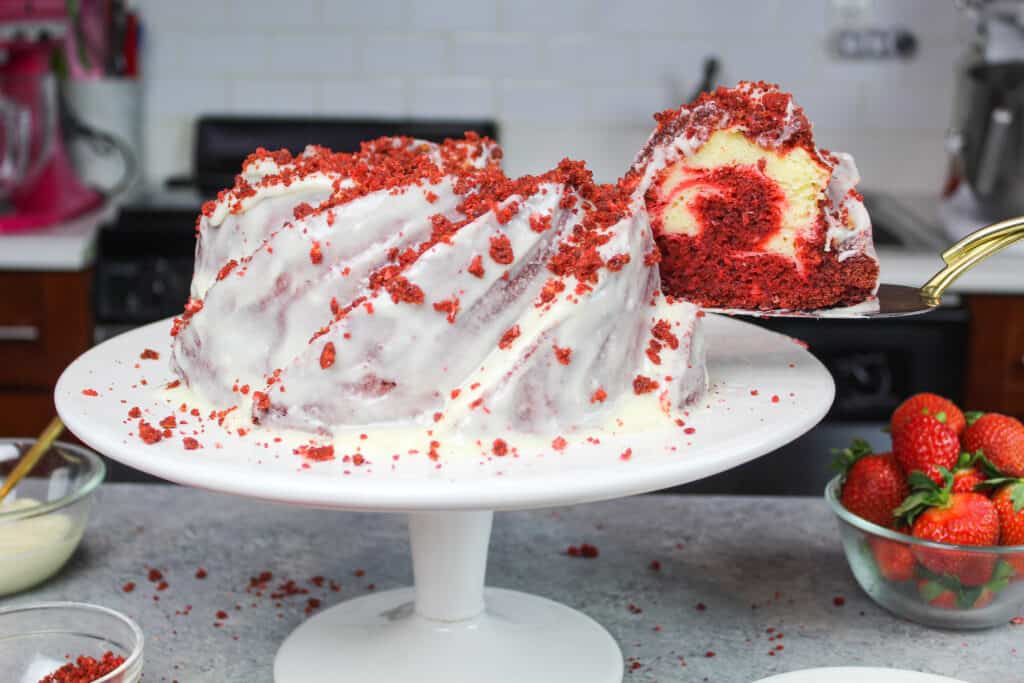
(736, 421)
(856, 674)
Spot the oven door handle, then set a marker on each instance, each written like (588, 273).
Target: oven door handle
(19, 333)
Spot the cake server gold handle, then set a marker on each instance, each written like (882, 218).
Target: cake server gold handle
(970, 251)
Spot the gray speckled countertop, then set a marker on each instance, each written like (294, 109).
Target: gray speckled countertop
(754, 563)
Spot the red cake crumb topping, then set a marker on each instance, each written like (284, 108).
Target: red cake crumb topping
(401, 290)
(563, 354)
(316, 453)
(662, 330)
(85, 669)
(769, 118)
(449, 307)
(476, 266)
(148, 433)
(226, 269)
(499, 447)
(510, 336)
(90, 392)
(315, 255)
(327, 355)
(598, 396)
(540, 222)
(559, 443)
(585, 550)
(149, 354)
(501, 250)
(190, 443)
(643, 385)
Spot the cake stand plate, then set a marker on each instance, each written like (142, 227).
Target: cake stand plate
(766, 390)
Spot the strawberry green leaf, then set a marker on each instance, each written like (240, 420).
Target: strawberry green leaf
(972, 416)
(966, 598)
(1002, 574)
(929, 590)
(919, 481)
(1017, 495)
(848, 456)
(984, 464)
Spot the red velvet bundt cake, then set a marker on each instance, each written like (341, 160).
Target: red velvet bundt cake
(413, 284)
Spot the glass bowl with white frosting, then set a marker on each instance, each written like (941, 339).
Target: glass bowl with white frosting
(43, 518)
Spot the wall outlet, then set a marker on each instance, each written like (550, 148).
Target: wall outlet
(873, 43)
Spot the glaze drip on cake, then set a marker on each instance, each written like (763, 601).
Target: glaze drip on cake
(416, 284)
(747, 212)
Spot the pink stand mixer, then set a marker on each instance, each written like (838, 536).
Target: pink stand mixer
(38, 185)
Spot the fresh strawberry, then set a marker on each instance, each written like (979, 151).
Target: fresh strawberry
(1009, 502)
(923, 443)
(894, 559)
(939, 515)
(984, 599)
(873, 485)
(965, 480)
(971, 471)
(1001, 439)
(936, 594)
(947, 592)
(928, 404)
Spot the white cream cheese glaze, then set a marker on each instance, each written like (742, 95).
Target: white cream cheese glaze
(552, 332)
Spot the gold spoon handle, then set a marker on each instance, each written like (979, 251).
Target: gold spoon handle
(29, 460)
(970, 251)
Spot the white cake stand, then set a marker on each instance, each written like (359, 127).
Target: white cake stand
(766, 390)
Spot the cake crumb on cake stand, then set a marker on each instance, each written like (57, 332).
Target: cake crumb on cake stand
(766, 390)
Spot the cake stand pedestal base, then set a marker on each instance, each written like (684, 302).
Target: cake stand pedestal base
(448, 628)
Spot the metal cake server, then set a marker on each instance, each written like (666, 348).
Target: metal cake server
(896, 301)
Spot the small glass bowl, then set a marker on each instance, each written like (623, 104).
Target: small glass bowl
(38, 639)
(935, 584)
(36, 541)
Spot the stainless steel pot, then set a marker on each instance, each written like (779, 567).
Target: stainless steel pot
(992, 137)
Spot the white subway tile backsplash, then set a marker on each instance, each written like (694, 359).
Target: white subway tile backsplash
(180, 96)
(455, 15)
(545, 16)
(265, 96)
(631, 104)
(723, 17)
(167, 147)
(273, 14)
(607, 149)
(453, 98)
(497, 55)
(213, 54)
(605, 58)
(362, 97)
(563, 77)
(378, 15)
(302, 54)
(403, 55)
(191, 14)
(562, 102)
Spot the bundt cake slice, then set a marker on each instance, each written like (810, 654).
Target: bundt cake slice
(747, 212)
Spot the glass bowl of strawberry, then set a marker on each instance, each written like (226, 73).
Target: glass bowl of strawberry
(934, 530)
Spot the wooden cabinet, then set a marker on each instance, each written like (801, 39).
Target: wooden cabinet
(45, 323)
(995, 362)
